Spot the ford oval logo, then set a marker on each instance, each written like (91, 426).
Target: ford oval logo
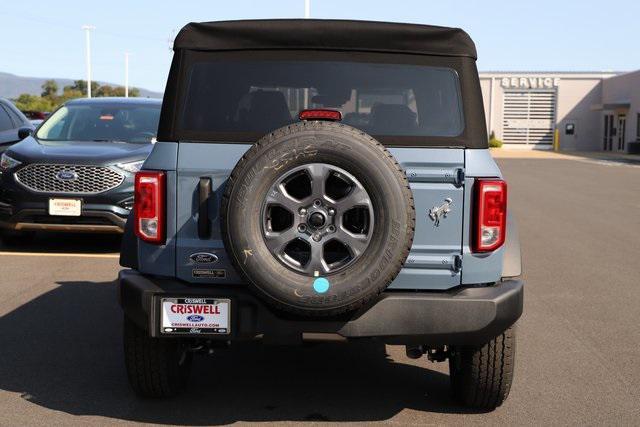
(66, 175)
(203, 258)
(195, 318)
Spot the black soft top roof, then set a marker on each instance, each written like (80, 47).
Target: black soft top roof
(326, 35)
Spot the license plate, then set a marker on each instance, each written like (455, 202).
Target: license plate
(65, 207)
(195, 316)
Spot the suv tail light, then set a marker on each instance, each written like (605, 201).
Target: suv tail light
(149, 206)
(491, 215)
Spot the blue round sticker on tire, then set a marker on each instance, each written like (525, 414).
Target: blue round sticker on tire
(321, 285)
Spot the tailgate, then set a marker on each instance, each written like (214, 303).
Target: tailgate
(436, 177)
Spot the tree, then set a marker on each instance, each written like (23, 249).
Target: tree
(81, 85)
(98, 91)
(104, 90)
(69, 93)
(49, 89)
(49, 99)
(27, 102)
(107, 90)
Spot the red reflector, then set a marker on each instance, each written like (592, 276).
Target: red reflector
(320, 114)
(149, 206)
(491, 215)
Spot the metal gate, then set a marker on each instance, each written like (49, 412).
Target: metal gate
(528, 116)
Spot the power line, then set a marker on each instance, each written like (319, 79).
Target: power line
(39, 20)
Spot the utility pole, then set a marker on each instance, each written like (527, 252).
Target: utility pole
(87, 30)
(171, 39)
(126, 74)
(307, 15)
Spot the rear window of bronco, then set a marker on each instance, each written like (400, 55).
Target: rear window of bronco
(243, 98)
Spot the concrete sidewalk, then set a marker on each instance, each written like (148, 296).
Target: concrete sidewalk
(502, 153)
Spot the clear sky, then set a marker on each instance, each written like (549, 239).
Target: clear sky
(43, 38)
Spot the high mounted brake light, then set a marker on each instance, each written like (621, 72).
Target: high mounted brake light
(491, 215)
(149, 206)
(320, 114)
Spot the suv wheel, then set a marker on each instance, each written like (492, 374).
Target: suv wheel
(155, 367)
(481, 376)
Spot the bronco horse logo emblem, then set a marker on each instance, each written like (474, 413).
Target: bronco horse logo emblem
(437, 212)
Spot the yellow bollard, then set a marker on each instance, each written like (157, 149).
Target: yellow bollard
(556, 140)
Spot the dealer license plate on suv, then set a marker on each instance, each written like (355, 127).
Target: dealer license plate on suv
(65, 207)
(195, 316)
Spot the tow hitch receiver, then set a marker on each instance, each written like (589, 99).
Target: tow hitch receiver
(439, 354)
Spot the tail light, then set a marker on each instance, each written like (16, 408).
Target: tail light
(491, 215)
(320, 114)
(149, 206)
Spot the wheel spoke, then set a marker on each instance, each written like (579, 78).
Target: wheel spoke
(279, 196)
(316, 264)
(318, 173)
(357, 197)
(278, 241)
(357, 243)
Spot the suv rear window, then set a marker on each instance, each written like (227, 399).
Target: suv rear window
(241, 98)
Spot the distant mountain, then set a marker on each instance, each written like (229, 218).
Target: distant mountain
(11, 86)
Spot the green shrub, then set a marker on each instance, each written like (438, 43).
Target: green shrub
(494, 142)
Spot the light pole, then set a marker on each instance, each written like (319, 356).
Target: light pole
(307, 15)
(87, 30)
(126, 74)
(171, 39)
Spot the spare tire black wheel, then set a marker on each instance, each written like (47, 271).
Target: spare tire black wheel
(318, 217)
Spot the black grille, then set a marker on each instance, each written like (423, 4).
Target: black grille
(80, 179)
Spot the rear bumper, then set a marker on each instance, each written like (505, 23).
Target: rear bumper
(94, 219)
(465, 316)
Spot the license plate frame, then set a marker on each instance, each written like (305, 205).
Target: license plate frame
(214, 321)
(59, 206)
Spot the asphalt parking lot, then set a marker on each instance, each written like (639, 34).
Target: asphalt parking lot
(578, 359)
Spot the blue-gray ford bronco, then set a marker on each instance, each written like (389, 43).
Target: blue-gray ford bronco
(322, 178)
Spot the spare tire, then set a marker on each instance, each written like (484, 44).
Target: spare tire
(318, 217)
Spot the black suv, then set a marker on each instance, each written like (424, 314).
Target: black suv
(322, 178)
(76, 172)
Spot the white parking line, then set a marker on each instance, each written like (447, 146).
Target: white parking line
(76, 255)
(607, 162)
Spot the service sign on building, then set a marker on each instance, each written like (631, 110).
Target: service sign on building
(530, 82)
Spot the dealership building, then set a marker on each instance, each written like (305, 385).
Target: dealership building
(585, 111)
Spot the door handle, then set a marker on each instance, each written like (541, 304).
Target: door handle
(204, 195)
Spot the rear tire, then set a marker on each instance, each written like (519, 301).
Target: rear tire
(260, 175)
(481, 376)
(156, 367)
